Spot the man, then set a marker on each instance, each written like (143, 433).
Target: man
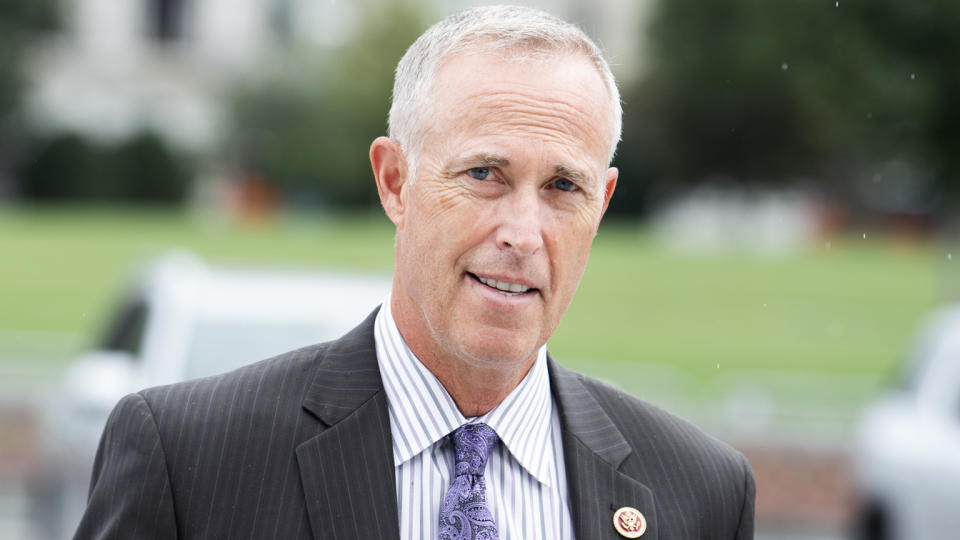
(441, 415)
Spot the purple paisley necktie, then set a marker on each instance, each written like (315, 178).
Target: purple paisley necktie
(465, 514)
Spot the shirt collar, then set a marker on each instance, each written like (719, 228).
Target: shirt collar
(423, 413)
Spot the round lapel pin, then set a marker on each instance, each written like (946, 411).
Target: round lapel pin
(629, 522)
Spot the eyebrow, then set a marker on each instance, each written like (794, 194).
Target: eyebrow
(484, 159)
(478, 160)
(579, 177)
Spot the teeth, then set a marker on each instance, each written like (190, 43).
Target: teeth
(509, 289)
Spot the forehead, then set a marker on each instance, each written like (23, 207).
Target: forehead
(557, 99)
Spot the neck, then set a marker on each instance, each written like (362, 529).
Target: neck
(475, 390)
(477, 385)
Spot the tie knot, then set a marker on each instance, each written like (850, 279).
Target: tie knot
(473, 444)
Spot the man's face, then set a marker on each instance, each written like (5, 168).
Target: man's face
(494, 232)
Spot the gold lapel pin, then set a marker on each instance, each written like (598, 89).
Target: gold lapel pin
(629, 522)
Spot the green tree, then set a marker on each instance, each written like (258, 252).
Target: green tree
(308, 132)
(141, 169)
(21, 23)
(765, 92)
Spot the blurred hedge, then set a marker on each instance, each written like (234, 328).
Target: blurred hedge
(22, 22)
(70, 167)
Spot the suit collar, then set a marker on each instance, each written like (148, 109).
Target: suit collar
(594, 450)
(583, 417)
(347, 470)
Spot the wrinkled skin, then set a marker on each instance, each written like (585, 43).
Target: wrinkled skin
(511, 183)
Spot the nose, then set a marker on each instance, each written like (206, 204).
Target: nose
(521, 226)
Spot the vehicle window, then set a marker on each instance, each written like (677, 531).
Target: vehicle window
(220, 347)
(126, 331)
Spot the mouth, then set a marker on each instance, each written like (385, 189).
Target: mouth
(503, 287)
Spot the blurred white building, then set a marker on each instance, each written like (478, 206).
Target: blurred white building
(123, 66)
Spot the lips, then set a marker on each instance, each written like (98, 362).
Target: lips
(504, 287)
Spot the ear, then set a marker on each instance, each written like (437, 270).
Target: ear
(390, 171)
(610, 183)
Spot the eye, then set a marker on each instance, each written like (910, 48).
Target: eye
(564, 185)
(479, 173)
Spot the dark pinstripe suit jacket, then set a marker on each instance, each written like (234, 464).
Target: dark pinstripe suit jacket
(298, 446)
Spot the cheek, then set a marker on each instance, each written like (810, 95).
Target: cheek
(445, 222)
(440, 199)
(569, 240)
(575, 225)
(585, 222)
(575, 212)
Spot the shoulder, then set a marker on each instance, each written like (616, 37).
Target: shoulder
(278, 382)
(269, 394)
(646, 424)
(690, 472)
(666, 449)
(285, 377)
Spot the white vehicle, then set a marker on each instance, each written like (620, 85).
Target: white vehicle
(182, 320)
(908, 450)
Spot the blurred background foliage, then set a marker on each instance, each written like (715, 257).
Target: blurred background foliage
(21, 23)
(854, 100)
(775, 92)
(307, 129)
(70, 167)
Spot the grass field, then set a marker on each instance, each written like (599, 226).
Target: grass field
(847, 309)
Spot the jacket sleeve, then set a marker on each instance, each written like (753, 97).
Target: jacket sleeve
(130, 493)
(745, 530)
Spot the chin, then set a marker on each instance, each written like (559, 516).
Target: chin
(499, 352)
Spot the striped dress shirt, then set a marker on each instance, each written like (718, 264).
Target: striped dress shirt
(525, 476)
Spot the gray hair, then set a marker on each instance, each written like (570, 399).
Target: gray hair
(520, 31)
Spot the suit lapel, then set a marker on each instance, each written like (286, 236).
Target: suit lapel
(347, 470)
(593, 450)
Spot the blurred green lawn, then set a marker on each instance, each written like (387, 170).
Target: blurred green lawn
(847, 309)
